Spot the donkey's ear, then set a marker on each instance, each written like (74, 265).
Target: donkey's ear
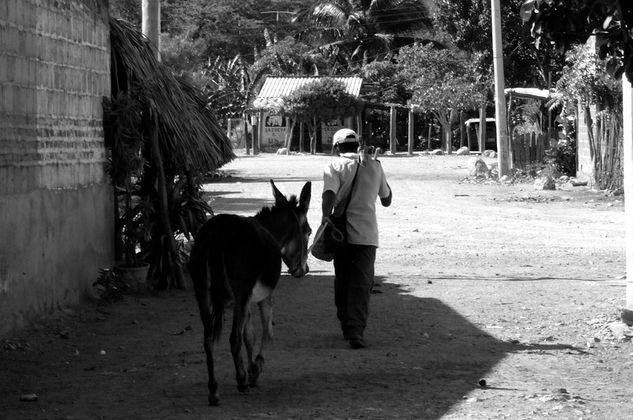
(304, 198)
(279, 197)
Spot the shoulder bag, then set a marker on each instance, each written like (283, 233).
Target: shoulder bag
(332, 236)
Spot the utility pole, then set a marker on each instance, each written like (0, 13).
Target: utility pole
(151, 23)
(627, 117)
(503, 148)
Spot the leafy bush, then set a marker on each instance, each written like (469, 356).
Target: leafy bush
(110, 286)
(561, 158)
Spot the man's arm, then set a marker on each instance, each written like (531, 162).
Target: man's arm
(386, 202)
(327, 204)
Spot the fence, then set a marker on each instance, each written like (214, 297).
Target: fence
(528, 148)
(608, 150)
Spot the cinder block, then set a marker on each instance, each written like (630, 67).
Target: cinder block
(12, 11)
(7, 98)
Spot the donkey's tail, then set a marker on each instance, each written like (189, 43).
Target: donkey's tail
(209, 284)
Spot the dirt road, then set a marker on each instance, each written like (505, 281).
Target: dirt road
(475, 281)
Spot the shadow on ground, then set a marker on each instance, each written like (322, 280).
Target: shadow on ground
(142, 358)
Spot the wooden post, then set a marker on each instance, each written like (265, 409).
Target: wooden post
(462, 134)
(290, 128)
(410, 133)
(482, 129)
(313, 136)
(428, 139)
(246, 144)
(255, 136)
(244, 127)
(469, 137)
(449, 132)
(392, 130)
(301, 136)
(163, 209)
(510, 131)
(150, 25)
(257, 142)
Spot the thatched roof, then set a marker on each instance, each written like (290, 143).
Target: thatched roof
(188, 133)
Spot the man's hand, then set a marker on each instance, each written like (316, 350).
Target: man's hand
(386, 202)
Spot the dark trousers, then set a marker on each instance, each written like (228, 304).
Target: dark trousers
(354, 278)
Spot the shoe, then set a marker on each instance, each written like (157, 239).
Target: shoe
(346, 335)
(357, 343)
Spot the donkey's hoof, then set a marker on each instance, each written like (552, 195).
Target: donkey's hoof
(253, 375)
(242, 387)
(214, 401)
(259, 361)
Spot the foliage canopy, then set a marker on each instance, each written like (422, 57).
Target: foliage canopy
(442, 79)
(323, 100)
(568, 22)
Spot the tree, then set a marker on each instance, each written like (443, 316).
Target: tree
(468, 22)
(442, 82)
(585, 81)
(194, 31)
(322, 100)
(384, 83)
(292, 57)
(228, 85)
(568, 22)
(365, 31)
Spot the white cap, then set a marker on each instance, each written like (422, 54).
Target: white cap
(345, 135)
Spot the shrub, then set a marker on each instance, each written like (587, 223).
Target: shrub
(561, 158)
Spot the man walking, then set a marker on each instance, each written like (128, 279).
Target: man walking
(362, 177)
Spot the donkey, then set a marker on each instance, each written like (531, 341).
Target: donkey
(237, 260)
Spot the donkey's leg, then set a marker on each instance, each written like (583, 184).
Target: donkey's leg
(214, 395)
(205, 314)
(239, 319)
(266, 313)
(249, 343)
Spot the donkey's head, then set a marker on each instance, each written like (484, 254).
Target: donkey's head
(292, 216)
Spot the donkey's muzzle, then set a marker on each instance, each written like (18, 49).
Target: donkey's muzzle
(299, 271)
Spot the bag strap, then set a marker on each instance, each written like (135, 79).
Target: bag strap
(351, 189)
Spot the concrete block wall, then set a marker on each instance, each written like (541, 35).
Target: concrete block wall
(55, 200)
(584, 159)
(584, 167)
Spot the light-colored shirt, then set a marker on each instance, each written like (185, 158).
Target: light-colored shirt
(362, 227)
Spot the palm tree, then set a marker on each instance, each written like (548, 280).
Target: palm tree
(228, 85)
(366, 30)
